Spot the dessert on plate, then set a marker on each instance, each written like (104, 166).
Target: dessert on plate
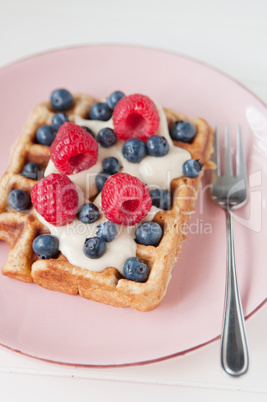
(97, 193)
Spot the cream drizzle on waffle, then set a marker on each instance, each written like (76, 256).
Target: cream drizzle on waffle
(72, 236)
(154, 172)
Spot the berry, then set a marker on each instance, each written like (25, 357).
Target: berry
(134, 150)
(58, 120)
(161, 198)
(100, 111)
(100, 180)
(183, 131)
(31, 170)
(135, 116)
(114, 98)
(89, 213)
(111, 165)
(157, 146)
(74, 149)
(45, 135)
(55, 198)
(18, 200)
(89, 131)
(61, 100)
(125, 199)
(192, 168)
(148, 233)
(135, 269)
(106, 137)
(94, 247)
(46, 246)
(107, 230)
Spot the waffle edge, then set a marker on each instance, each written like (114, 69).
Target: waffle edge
(109, 287)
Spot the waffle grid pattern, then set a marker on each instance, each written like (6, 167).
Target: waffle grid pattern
(19, 229)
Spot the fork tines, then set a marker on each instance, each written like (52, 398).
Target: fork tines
(240, 167)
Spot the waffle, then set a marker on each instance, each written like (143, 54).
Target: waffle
(19, 229)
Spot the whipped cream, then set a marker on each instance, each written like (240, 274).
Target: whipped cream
(153, 171)
(72, 236)
(71, 240)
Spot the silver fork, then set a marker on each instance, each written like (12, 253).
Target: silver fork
(229, 191)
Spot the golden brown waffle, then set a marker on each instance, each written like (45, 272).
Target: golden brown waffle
(19, 229)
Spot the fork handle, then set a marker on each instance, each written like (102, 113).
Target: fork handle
(234, 351)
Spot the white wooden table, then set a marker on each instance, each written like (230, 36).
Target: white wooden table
(228, 35)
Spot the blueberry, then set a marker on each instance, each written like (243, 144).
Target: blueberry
(106, 137)
(192, 168)
(148, 233)
(46, 246)
(58, 120)
(135, 269)
(61, 100)
(94, 247)
(45, 135)
(100, 180)
(114, 98)
(100, 111)
(134, 150)
(107, 230)
(31, 170)
(18, 200)
(161, 198)
(111, 165)
(89, 131)
(157, 146)
(183, 131)
(89, 213)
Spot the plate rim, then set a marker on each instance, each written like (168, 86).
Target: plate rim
(124, 45)
(143, 362)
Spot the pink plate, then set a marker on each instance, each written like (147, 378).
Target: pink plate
(72, 330)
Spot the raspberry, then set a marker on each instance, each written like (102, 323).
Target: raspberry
(55, 198)
(125, 199)
(73, 149)
(135, 116)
